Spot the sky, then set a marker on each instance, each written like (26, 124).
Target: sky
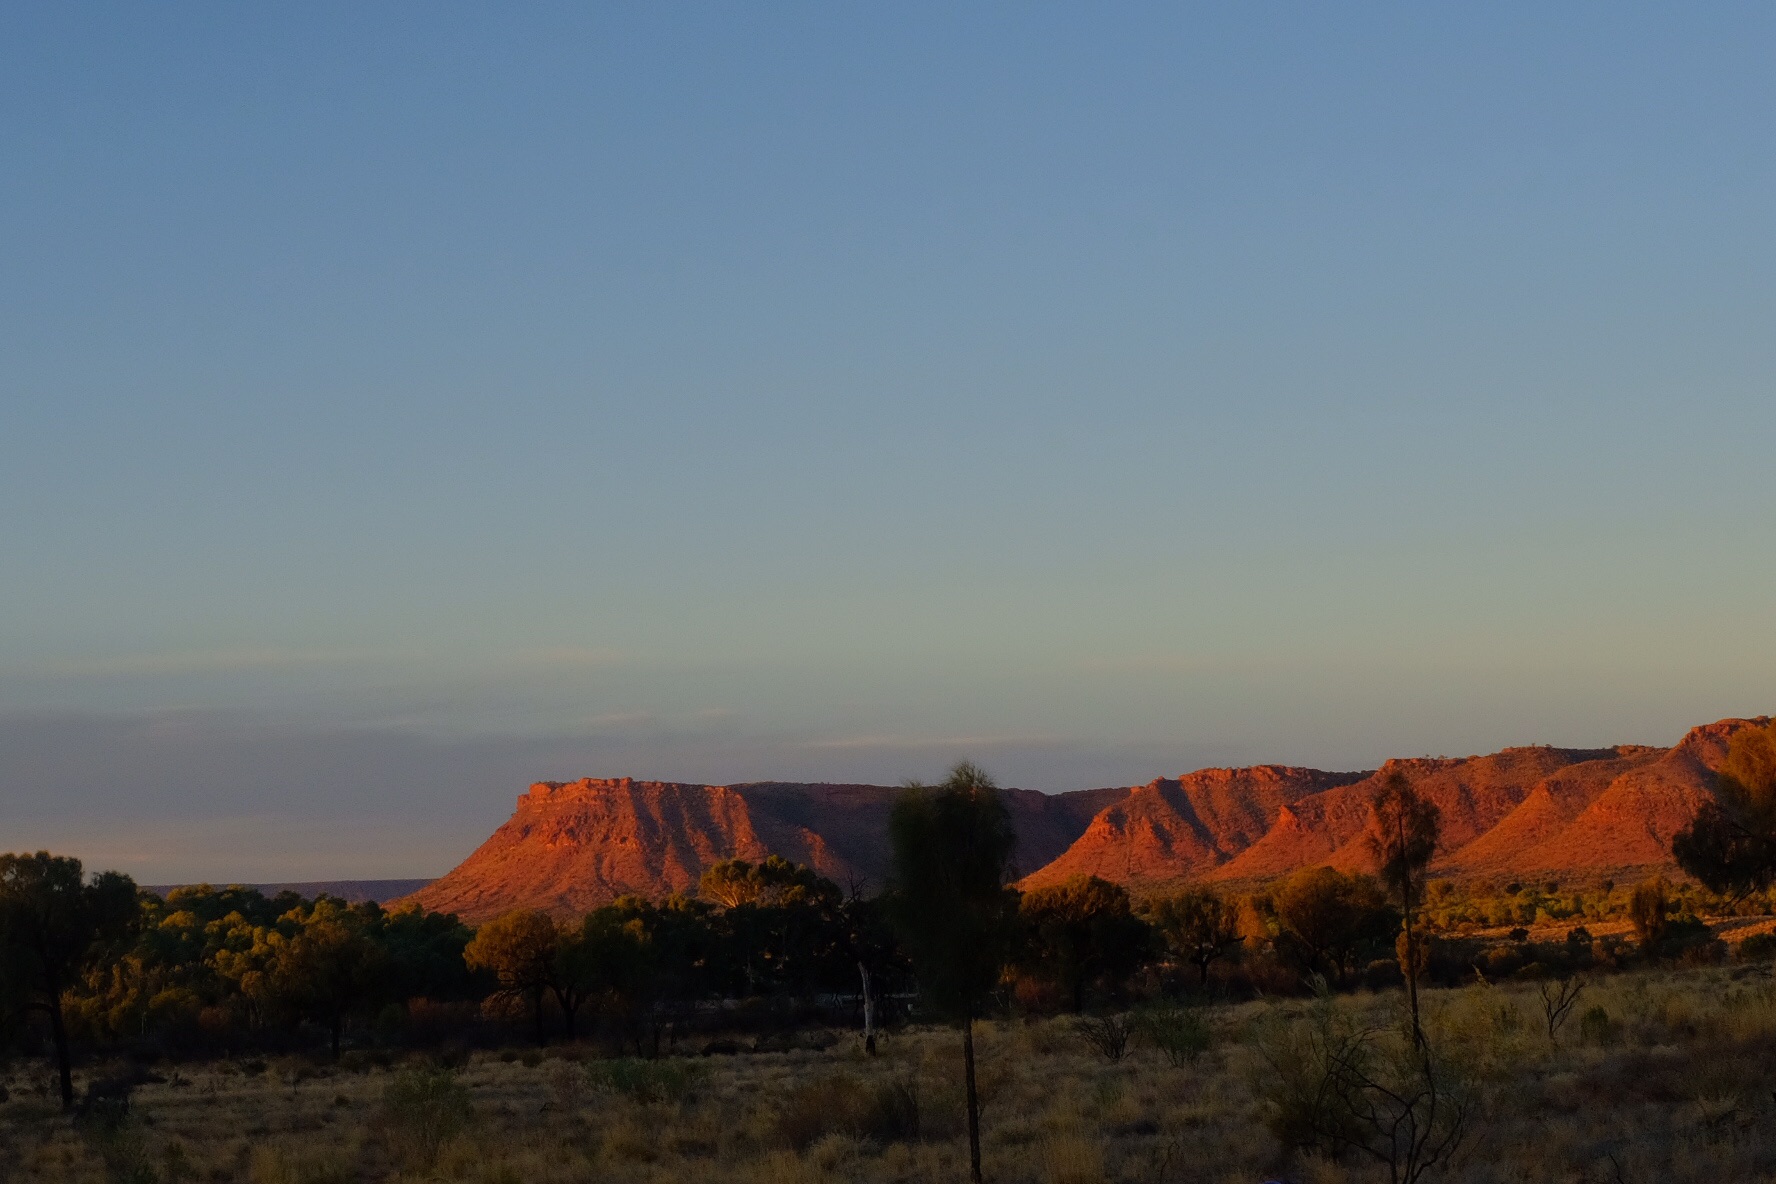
(399, 405)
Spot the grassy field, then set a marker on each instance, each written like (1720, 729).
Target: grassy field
(1655, 1076)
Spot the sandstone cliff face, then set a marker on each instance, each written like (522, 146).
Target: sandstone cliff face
(1185, 828)
(572, 846)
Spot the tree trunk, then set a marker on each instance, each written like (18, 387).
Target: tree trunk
(537, 1008)
(1412, 977)
(1418, 1036)
(64, 1063)
(869, 1011)
(569, 1002)
(338, 1023)
(974, 1168)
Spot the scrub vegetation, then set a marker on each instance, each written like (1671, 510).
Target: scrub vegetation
(1663, 1076)
(1327, 1028)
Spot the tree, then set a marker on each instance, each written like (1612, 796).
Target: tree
(780, 924)
(519, 947)
(667, 957)
(953, 848)
(1082, 931)
(1325, 918)
(425, 951)
(1730, 844)
(866, 938)
(1403, 831)
(332, 965)
(54, 924)
(1197, 925)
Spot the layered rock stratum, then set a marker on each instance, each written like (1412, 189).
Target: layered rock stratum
(571, 846)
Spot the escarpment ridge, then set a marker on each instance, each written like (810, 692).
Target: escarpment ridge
(571, 846)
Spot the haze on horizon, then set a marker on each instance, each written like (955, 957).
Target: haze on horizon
(398, 408)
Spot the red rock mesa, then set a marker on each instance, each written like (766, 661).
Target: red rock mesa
(1565, 812)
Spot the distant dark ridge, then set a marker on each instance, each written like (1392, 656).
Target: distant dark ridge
(354, 891)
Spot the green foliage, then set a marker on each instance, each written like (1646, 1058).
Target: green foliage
(1328, 922)
(642, 1081)
(1730, 845)
(1402, 838)
(1197, 925)
(957, 918)
(1649, 911)
(1333, 1085)
(1080, 933)
(520, 949)
(1596, 1026)
(1759, 947)
(54, 925)
(774, 882)
(1177, 1031)
(422, 1109)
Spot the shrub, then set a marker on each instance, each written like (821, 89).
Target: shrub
(567, 1085)
(1179, 1033)
(1596, 1026)
(123, 1151)
(1759, 947)
(421, 1110)
(884, 1112)
(1108, 1036)
(1335, 1086)
(642, 1081)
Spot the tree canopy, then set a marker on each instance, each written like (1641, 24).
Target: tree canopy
(1730, 844)
(54, 923)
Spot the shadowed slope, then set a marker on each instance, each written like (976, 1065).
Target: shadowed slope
(1181, 829)
(572, 846)
(1473, 793)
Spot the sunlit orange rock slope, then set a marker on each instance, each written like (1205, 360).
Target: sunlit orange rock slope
(569, 847)
(1558, 811)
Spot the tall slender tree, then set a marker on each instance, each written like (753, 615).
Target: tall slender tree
(54, 924)
(953, 849)
(1403, 832)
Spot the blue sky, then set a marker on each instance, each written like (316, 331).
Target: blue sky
(400, 405)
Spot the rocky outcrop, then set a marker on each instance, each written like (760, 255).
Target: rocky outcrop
(1186, 827)
(570, 846)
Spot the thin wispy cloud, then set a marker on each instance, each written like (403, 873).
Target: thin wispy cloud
(937, 742)
(616, 721)
(567, 657)
(252, 659)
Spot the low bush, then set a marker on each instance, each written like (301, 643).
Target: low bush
(1108, 1036)
(1759, 947)
(642, 1081)
(1178, 1032)
(421, 1110)
(881, 1112)
(1596, 1026)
